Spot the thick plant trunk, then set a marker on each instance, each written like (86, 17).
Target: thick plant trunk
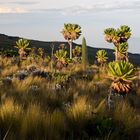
(70, 43)
(116, 54)
(52, 61)
(127, 57)
(22, 54)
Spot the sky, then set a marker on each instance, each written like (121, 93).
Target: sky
(44, 19)
(22, 6)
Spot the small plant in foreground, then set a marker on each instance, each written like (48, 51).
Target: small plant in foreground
(122, 74)
(61, 56)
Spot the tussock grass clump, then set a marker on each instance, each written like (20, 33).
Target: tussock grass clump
(78, 111)
(55, 125)
(5, 62)
(30, 123)
(10, 119)
(126, 115)
(78, 117)
(9, 71)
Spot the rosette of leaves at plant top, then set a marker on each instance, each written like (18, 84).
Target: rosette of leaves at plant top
(41, 52)
(22, 43)
(116, 37)
(122, 50)
(119, 35)
(71, 31)
(122, 74)
(76, 60)
(125, 33)
(101, 56)
(109, 33)
(77, 51)
(23, 46)
(61, 56)
(69, 61)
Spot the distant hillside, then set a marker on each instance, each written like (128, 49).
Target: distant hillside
(7, 42)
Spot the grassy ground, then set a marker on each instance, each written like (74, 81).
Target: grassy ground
(70, 104)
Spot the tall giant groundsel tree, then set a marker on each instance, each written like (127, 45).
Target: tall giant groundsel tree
(119, 38)
(71, 32)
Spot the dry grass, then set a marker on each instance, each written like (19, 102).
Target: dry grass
(9, 71)
(126, 115)
(34, 108)
(78, 112)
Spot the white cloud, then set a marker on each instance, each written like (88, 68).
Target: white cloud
(67, 6)
(89, 3)
(12, 10)
(24, 2)
(88, 6)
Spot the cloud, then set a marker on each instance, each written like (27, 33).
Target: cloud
(118, 4)
(94, 6)
(75, 7)
(25, 2)
(106, 5)
(12, 10)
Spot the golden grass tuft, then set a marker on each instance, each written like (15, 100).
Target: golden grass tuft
(78, 112)
(9, 71)
(126, 115)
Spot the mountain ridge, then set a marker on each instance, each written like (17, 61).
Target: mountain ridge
(8, 42)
